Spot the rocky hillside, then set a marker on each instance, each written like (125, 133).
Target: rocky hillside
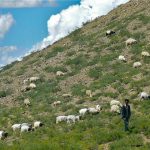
(90, 62)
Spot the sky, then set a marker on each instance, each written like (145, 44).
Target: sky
(31, 25)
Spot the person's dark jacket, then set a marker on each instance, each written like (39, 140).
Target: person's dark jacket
(126, 111)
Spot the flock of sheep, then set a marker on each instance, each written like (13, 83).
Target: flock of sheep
(115, 105)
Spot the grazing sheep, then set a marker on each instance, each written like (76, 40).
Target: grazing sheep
(83, 111)
(32, 86)
(25, 128)
(144, 53)
(66, 95)
(109, 32)
(130, 41)
(94, 110)
(34, 79)
(37, 124)
(60, 73)
(27, 102)
(3, 135)
(122, 58)
(16, 127)
(60, 119)
(115, 102)
(144, 95)
(137, 64)
(115, 108)
(89, 93)
(57, 103)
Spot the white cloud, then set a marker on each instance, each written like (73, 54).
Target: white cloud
(24, 3)
(6, 21)
(60, 25)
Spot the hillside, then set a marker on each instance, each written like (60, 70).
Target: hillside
(90, 61)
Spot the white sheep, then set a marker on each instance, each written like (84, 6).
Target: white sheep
(60, 73)
(95, 110)
(32, 86)
(34, 79)
(144, 53)
(56, 103)
(60, 119)
(27, 102)
(37, 124)
(115, 108)
(26, 128)
(83, 111)
(3, 135)
(109, 32)
(130, 41)
(88, 93)
(144, 95)
(66, 95)
(122, 58)
(16, 127)
(115, 102)
(137, 64)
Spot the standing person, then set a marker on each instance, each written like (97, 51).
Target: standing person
(126, 113)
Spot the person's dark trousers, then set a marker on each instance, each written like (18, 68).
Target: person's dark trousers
(126, 124)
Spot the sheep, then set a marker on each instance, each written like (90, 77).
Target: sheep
(89, 93)
(37, 124)
(115, 108)
(66, 95)
(144, 95)
(3, 135)
(109, 32)
(60, 73)
(25, 128)
(83, 111)
(60, 119)
(16, 127)
(122, 58)
(115, 102)
(27, 102)
(34, 79)
(32, 86)
(56, 103)
(144, 53)
(137, 64)
(130, 41)
(94, 110)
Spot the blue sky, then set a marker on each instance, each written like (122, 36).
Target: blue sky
(29, 25)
